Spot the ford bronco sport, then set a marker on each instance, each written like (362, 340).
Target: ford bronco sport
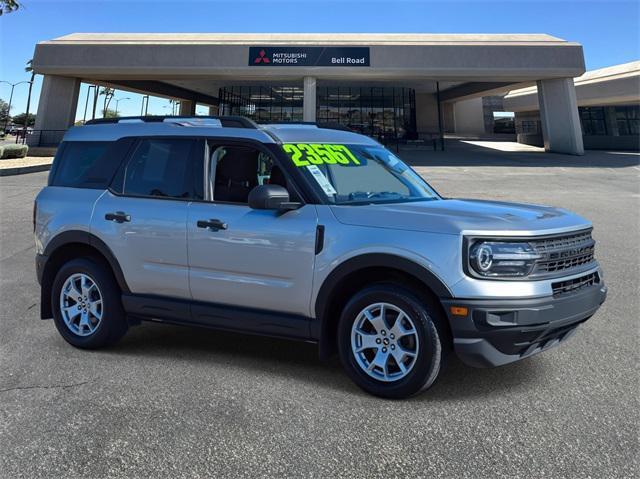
(302, 232)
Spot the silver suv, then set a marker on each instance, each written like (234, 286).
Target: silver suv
(303, 232)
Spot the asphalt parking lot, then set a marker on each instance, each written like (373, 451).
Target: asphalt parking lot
(169, 401)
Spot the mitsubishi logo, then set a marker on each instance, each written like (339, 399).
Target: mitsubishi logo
(262, 58)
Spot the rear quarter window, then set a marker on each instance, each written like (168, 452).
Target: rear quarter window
(164, 167)
(87, 164)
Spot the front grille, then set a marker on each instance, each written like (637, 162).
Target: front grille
(566, 263)
(572, 285)
(562, 242)
(563, 253)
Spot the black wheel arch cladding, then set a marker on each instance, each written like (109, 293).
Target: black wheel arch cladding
(51, 264)
(324, 329)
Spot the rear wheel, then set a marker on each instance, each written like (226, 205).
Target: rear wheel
(389, 341)
(86, 304)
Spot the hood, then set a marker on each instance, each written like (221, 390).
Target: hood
(453, 216)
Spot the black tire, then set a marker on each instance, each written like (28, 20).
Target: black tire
(431, 348)
(113, 324)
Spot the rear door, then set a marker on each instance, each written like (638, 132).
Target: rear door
(143, 216)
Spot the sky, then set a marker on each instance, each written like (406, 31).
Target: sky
(608, 30)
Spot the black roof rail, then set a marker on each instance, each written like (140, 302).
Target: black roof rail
(226, 121)
(333, 126)
(320, 124)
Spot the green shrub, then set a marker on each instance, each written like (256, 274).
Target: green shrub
(13, 151)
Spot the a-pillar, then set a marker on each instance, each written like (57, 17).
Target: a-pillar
(561, 129)
(309, 100)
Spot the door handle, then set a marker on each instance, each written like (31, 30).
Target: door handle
(118, 217)
(212, 224)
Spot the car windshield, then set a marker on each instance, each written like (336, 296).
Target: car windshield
(358, 174)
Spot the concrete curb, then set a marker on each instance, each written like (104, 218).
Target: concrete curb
(21, 170)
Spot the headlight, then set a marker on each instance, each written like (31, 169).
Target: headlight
(496, 259)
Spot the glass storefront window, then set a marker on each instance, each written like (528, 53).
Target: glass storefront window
(385, 113)
(628, 120)
(381, 112)
(592, 120)
(529, 127)
(262, 104)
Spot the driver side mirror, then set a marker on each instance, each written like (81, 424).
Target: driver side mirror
(271, 197)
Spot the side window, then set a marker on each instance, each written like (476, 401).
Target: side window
(167, 168)
(265, 166)
(81, 165)
(235, 170)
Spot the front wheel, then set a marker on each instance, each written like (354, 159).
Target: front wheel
(389, 342)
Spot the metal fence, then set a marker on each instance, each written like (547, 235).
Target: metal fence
(46, 138)
(424, 140)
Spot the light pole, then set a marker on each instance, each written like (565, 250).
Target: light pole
(118, 100)
(86, 103)
(145, 105)
(174, 105)
(13, 85)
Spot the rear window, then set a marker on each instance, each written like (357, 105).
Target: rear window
(82, 164)
(165, 168)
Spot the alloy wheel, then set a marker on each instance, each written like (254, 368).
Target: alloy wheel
(384, 342)
(81, 304)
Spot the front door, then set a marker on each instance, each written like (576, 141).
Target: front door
(247, 258)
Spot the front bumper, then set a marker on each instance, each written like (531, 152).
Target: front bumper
(498, 332)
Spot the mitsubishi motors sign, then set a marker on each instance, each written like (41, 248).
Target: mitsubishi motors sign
(309, 56)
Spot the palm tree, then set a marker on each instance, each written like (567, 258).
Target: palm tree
(8, 6)
(108, 95)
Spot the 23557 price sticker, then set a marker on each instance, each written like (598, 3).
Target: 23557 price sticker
(305, 154)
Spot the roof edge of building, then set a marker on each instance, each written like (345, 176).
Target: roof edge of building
(310, 38)
(612, 72)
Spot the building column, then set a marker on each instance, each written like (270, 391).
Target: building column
(309, 101)
(58, 103)
(559, 116)
(426, 113)
(187, 108)
(449, 117)
(469, 117)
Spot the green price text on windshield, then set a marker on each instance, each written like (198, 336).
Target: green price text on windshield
(305, 154)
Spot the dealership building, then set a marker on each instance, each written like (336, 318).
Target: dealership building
(398, 86)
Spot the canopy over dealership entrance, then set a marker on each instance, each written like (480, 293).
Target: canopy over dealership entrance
(401, 85)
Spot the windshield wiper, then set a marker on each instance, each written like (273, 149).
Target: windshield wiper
(374, 194)
(386, 194)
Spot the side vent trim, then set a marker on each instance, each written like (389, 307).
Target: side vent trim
(319, 238)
